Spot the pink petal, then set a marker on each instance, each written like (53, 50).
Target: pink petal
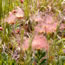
(47, 25)
(11, 18)
(62, 26)
(20, 13)
(51, 28)
(39, 42)
(25, 44)
(49, 19)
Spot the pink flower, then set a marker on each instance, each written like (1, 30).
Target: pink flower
(47, 25)
(40, 28)
(38, 18)
(39, 42)
(51, 28)
(19, 13)
(14, 15)
(49, 19)
(25, 44)
(11, 19)
(62, 26)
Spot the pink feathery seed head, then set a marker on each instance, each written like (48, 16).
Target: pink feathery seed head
(62, 26)
(38, 17)
(46, 28)
(39, 28)
(11, 19)
(19, 13)
(50, 28)
(49, 19)
(39, 42)
(48, 25)
(25, 44)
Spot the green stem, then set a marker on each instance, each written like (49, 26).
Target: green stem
(0, 10)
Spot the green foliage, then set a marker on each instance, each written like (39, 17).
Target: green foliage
(8, 5)
(40, 57)
(61, 60)
(6, 60)
(0, 9)
(30, 6)
(5, 35)
(27, 7)
(57, 53)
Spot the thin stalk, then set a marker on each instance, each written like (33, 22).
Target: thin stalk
(0, 10)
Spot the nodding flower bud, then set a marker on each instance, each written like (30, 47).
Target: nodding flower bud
(1, 28)
(17, 31)
(21, 1)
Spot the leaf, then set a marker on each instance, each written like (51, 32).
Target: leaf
(43, 61)
(39, 56)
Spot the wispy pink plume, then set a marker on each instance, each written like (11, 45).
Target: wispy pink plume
(14, 15)
(19, 13)
(39, 42)
(11, 19)
(62, 26)
(46, 24)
